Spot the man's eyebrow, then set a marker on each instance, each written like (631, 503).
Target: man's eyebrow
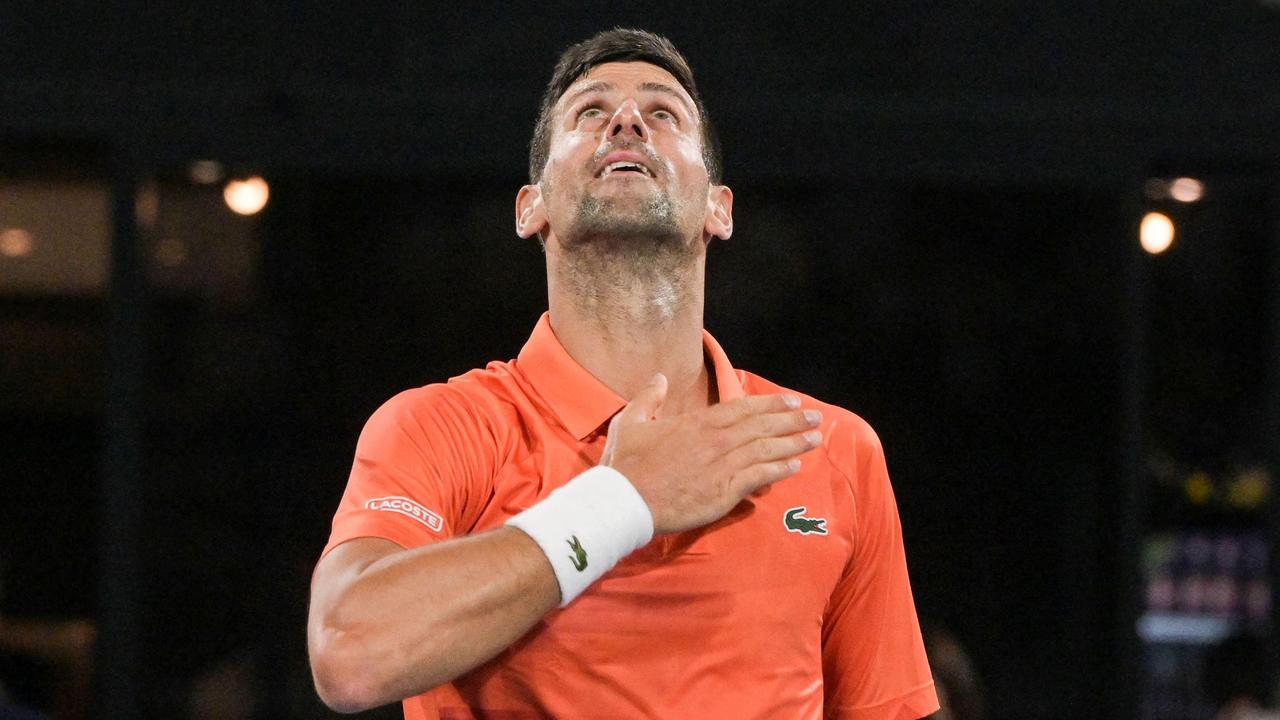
(597, 86)
(601, 86)
(664, 88)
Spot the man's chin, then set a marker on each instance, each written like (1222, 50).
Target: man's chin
(631, 218)
(632, 230)
(628, 198)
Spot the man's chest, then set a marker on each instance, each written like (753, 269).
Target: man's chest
(776, 557)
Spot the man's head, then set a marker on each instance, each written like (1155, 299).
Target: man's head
(623, 162)
(619, 45)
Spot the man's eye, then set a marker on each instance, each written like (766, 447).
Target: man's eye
(590, 112)
(664, 115)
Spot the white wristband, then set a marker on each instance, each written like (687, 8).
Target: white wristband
(587, 526)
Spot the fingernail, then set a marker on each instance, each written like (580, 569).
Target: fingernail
(793, 464)
(813, 436)
(792, 401)
(813, 416)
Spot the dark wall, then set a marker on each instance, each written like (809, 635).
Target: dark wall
(1000, 90)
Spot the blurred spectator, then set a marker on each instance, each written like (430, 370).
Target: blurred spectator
(64, 648)
(1239, 678)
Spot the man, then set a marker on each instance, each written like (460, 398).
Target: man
(523, 542)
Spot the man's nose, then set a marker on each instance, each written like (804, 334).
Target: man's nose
(627, 120)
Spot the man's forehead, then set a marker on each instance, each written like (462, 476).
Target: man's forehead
(628, 77)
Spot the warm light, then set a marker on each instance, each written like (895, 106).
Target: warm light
(1156, 233)
(170, 252)
(205, 172)
(16, 242)
(246, 197)
(1198, 487)
(146, 205)
(1187, 190)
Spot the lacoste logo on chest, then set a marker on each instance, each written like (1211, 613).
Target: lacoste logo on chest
(795, 522)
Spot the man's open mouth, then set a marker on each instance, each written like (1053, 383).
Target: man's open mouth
(625, 168)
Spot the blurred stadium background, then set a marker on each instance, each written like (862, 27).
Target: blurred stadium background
(227, 234)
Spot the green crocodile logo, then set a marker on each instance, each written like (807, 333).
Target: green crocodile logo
(803, 525)
(579, 556)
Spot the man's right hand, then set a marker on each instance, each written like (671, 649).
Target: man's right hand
(692, 469)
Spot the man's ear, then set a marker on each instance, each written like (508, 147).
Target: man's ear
(531, 214)
(719, 222)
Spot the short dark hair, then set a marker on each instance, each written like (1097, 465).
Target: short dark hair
(619, 45)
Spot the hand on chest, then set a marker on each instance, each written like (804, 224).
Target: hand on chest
(783, 548)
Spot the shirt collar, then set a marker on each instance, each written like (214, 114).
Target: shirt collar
(577, 397)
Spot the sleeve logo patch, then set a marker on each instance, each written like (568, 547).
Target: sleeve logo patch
(405, 506)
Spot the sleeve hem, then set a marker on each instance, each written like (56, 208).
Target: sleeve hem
(358, 527)
(913, 705)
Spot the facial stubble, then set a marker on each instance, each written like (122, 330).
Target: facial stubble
(629, 255)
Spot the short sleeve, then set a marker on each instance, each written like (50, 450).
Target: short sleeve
(423, 464)
(873, 659)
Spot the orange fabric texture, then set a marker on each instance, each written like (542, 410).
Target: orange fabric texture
(795, 605)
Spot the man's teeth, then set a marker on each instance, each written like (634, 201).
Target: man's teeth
(626, 166)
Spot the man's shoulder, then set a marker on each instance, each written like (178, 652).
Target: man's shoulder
(481, 393)
(837, 419)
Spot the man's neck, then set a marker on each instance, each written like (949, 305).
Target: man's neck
(626, 335)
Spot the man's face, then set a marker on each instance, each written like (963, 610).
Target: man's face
(625, 161)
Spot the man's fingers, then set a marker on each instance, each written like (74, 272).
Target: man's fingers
(771, 449)
(771, 425)
(645, 404)
(728, 413)
(642, 406)
(758, 476)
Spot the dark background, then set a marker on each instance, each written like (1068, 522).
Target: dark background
(936, 213)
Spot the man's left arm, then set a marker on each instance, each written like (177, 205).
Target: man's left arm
(873, 660)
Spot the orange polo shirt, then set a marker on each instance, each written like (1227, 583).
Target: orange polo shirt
(794, 605)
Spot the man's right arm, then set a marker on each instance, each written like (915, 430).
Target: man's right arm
(387, 623)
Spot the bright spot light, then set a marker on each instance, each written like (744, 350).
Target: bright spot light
(1156, 233)
(205, 172)
(16, 242)
(246, 197)
(1187, 190)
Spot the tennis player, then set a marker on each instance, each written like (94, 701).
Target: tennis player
(618, 523)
